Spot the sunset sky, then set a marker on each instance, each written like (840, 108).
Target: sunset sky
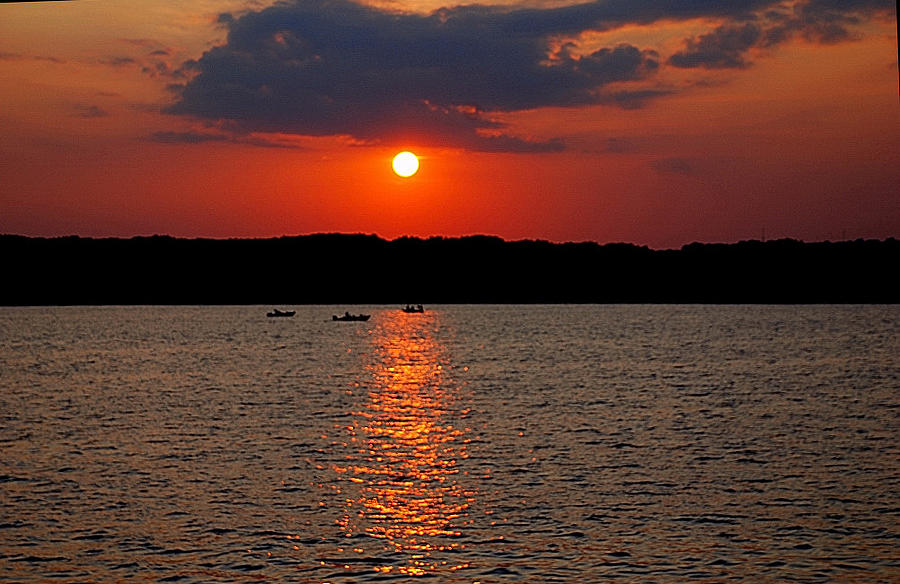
(657, 123)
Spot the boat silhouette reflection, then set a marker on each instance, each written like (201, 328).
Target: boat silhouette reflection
(401, 483)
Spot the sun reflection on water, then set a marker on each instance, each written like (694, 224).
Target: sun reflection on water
(401, 482)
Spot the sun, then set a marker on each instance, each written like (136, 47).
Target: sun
(406, 164)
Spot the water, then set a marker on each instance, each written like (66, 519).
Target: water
(467, 444)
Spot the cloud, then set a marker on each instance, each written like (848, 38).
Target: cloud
(186, 137)
(332, 67)
(631, 99)
(21, 57)
(821, 21)
(150, 56)
(830, 21)
(118, 61)
(335, 67)
(201, 137)
(722, 48)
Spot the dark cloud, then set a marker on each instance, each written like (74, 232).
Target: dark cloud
(152, 60)
(830, 21)
(822, 21)
(200, 137)
(186, 137)
(334, 67)
(631, 99)
(21, 57)
(157, 68)
(722, 48)
(118, 61)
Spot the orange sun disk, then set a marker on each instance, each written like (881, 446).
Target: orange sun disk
(405, 164)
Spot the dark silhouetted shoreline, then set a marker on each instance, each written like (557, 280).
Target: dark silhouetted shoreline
(365, 269)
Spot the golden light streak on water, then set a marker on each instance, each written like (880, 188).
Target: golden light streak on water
(402, 480)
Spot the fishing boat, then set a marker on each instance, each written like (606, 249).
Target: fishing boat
(276, 313)
(351, 317)
(410, 309)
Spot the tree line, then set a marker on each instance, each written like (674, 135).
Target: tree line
(366, 269)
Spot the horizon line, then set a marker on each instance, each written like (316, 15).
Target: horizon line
(433, 237)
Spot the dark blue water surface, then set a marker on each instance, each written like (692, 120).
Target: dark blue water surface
(466, 444)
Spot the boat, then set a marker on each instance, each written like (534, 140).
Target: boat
(275, 313)
(351, 317)
(410, 309)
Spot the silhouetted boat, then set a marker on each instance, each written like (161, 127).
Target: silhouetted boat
(275, 312)
(351, 317)
(409, 308)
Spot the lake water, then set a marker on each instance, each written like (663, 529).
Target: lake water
(469, 444)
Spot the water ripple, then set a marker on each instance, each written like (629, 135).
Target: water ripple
(491, 444)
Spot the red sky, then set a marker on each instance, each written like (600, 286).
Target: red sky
(605, 121)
